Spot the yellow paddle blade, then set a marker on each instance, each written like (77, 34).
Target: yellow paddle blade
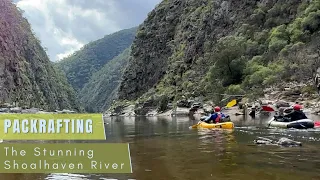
(196, 125)
(231, 103)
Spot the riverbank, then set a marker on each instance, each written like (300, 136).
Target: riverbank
(284, 95)
(278, 95)
(10, 108)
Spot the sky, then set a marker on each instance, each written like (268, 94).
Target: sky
(64, 26)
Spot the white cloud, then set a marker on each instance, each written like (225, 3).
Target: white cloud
(71, 41)
(65, 54)
(64, 26)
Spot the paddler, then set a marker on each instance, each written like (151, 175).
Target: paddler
(297, 113)
(216, 116)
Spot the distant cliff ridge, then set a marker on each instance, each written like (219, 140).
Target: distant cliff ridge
(95, 70)
(81, 65)
(27, 77)
(99, 93)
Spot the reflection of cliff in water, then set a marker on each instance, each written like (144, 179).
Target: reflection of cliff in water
(22, 176)
(168, 147)
(158, 147)
(221, 144)
(118, 128)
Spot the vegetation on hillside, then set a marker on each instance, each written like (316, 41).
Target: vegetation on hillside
(190, 48)
(80, 66)
(99, 93)
(272, 47)
(27, 76)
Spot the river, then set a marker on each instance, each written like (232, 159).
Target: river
(166, 149)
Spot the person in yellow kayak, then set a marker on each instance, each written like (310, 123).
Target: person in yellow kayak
(216, 116)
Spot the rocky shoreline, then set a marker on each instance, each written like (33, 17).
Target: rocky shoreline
(288, 94)
(279, 95)
(7, 108)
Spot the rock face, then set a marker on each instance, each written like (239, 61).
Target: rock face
(171, 41)
(27, 77)
(200, 47)
(151, 50)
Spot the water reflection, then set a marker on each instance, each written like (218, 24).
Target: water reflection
(66, 176)
(165, 148)
(217, 137)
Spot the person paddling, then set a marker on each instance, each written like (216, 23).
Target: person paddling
(216, 116)
(297, 113)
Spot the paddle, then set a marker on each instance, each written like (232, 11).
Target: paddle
(229, 105)
(317, 124)
(267, 108)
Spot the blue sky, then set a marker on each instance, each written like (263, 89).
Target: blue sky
(64, 26)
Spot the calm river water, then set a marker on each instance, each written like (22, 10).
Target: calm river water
(166, 149)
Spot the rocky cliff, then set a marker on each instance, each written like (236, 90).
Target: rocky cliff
(27, 77)
(192, 48)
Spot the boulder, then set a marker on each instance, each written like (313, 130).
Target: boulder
(196, 105)
(30, 111)
(67, 111)
(242, 102)
(281, 142)
(6, 105)
(183, 103)
(129, 110)
(282, 103)
(152, 113)
(16, 110)
(181, 112)
(207, 108)
(260, 141)
(43, 112)
(288, 142)
(287, 89)
(4, 110)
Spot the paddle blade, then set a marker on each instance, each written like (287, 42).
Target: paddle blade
(267, 108)
(231, 103)
(317, 124)
(196, 125)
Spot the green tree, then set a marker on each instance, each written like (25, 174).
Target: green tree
(229, 60)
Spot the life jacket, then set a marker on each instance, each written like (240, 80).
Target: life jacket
(217, 120)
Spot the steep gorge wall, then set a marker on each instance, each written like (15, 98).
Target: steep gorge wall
(151, 50)
(27, 77)
(177, 39)
(192, 48)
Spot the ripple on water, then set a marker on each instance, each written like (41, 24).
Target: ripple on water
(172, 150)
(246, 127)
(66, 176)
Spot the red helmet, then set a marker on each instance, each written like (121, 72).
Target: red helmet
(217, 109)
(297, 107)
